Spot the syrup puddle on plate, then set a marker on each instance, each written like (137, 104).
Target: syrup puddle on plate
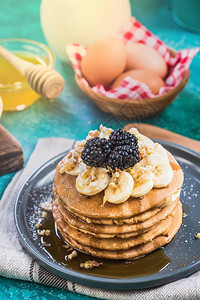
(148, 265)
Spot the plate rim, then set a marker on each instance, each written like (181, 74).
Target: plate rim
(141, 282)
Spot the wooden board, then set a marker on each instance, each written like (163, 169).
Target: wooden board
(11, 152)
(155, 132)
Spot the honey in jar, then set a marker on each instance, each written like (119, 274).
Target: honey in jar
(14, 89)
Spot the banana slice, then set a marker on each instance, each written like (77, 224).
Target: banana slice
(159, 149)
(142, 138)
(153, 170)
(143, 179)
(91, 181)
(105, 132)
(119, 189)
(146, 145)
(71, 163)
(162, 170)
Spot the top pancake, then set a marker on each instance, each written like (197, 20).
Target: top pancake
(92, 206)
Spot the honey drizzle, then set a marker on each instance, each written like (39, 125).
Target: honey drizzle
(53, 246)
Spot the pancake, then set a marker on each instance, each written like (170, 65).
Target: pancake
(114, 243)
(109, 223)
(134, 252)
(92, 207)
(108, 230)
(101, 235)
(135, 219)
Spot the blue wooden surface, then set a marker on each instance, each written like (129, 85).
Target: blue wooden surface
(72, 115)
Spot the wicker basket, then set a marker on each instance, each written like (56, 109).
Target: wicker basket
(134, 109)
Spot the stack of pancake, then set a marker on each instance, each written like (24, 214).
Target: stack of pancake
(128, 230)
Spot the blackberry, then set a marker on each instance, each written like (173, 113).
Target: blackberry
(120, 137)
(123, 157)
(120, 151)
(95, 152)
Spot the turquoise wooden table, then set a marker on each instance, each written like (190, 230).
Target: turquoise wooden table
(73, 114)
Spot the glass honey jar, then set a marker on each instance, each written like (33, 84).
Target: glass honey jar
(15, 91)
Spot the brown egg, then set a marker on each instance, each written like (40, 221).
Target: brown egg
(152, 80)
(104, 61)
(140, 56)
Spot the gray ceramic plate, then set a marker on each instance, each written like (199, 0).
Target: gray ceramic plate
(183, 250)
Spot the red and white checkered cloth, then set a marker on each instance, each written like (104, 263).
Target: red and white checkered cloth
(131, 88)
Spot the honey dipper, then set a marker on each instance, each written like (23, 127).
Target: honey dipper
(44, 80)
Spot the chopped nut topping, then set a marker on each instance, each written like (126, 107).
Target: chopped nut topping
(105, 132)
(67, 247)
(39, 223)
(79, 145)
(92, 177)
(72, 255)
(70, 161)
(43, 232)
(46, 206)
(127, 262)
(89, 264)
(198, 235)
(43, 214)
(47, 232)
(92, 134)
(114, 181)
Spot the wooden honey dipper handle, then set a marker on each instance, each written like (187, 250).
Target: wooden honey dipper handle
(44, 80)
